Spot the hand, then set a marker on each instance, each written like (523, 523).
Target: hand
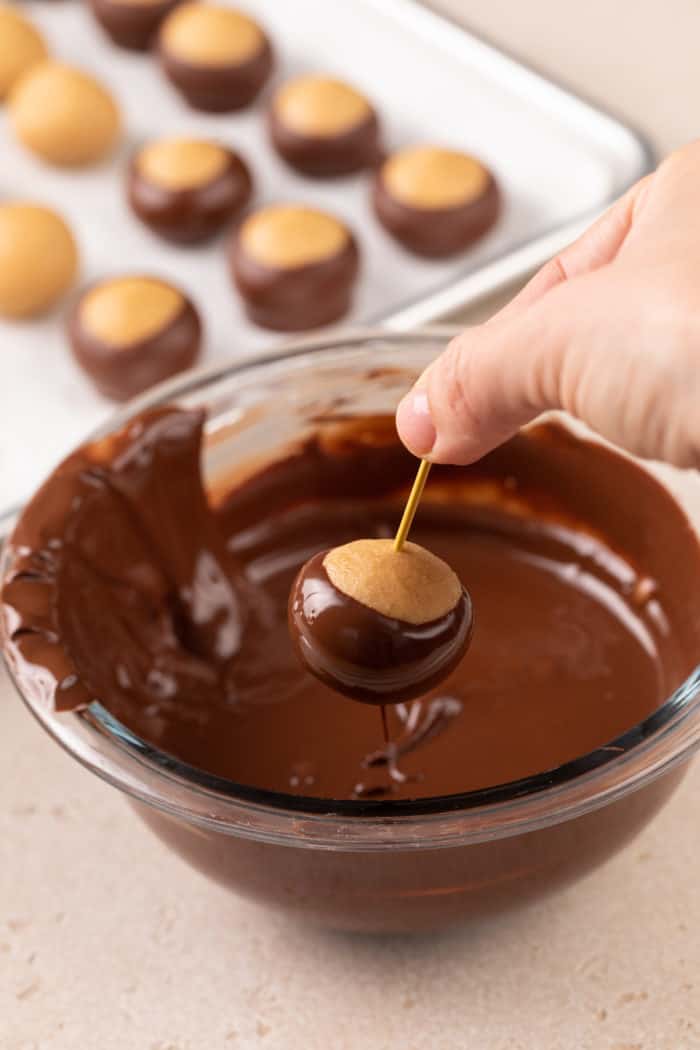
(609, 331)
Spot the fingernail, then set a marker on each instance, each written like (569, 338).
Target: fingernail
(415, 423)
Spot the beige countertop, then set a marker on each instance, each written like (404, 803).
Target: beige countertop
(635, 59)
(640, 66)
(107, 942)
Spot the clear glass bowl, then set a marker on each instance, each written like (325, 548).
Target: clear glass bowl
(372, 865)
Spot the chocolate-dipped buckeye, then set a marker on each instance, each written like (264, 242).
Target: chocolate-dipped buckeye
(217, 57)
(131, 23)
(322, 126)
(187, 190)
(379, 625)
(294, 266)
(131, 332)
(436, 202)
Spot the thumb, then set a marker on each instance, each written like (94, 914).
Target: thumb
(490, 381)
(616, 354)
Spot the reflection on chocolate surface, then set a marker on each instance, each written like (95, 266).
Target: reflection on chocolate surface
(124, 584)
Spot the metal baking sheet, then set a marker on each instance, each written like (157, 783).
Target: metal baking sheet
(558, 160)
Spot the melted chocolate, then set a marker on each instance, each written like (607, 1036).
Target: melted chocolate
(365, 655)
(125, 585)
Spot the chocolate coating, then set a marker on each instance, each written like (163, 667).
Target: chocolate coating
(436, 232)
(342, 152)
(327, 156)
(367, 656)
(131, 25)
(218, 88)
(120, 371)
(191, 214)
(295, 298)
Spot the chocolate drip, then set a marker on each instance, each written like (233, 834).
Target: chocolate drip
(421, 721)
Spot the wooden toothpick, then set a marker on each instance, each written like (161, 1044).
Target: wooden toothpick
(411, 505)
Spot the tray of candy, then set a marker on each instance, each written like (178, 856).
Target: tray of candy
(557, 160)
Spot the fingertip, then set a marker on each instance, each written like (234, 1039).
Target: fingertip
(414, 422)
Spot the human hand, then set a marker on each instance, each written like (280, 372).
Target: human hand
(609, 331)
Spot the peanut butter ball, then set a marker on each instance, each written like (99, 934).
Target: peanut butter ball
(294, 266)
(131, 332)
(21, 47)
(217, 57)
(436, 202)
(187, 190)
(322, 126)
(64, 115)
(379, 625)
(38, 259)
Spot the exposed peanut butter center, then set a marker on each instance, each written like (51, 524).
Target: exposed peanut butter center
(178, 164)
(320, 106)
(129, 309)
(21, 46)
(427, 177)
(208, 35)
(411, 585)
(288, 236)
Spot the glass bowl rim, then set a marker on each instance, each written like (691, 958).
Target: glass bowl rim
(110, 750)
